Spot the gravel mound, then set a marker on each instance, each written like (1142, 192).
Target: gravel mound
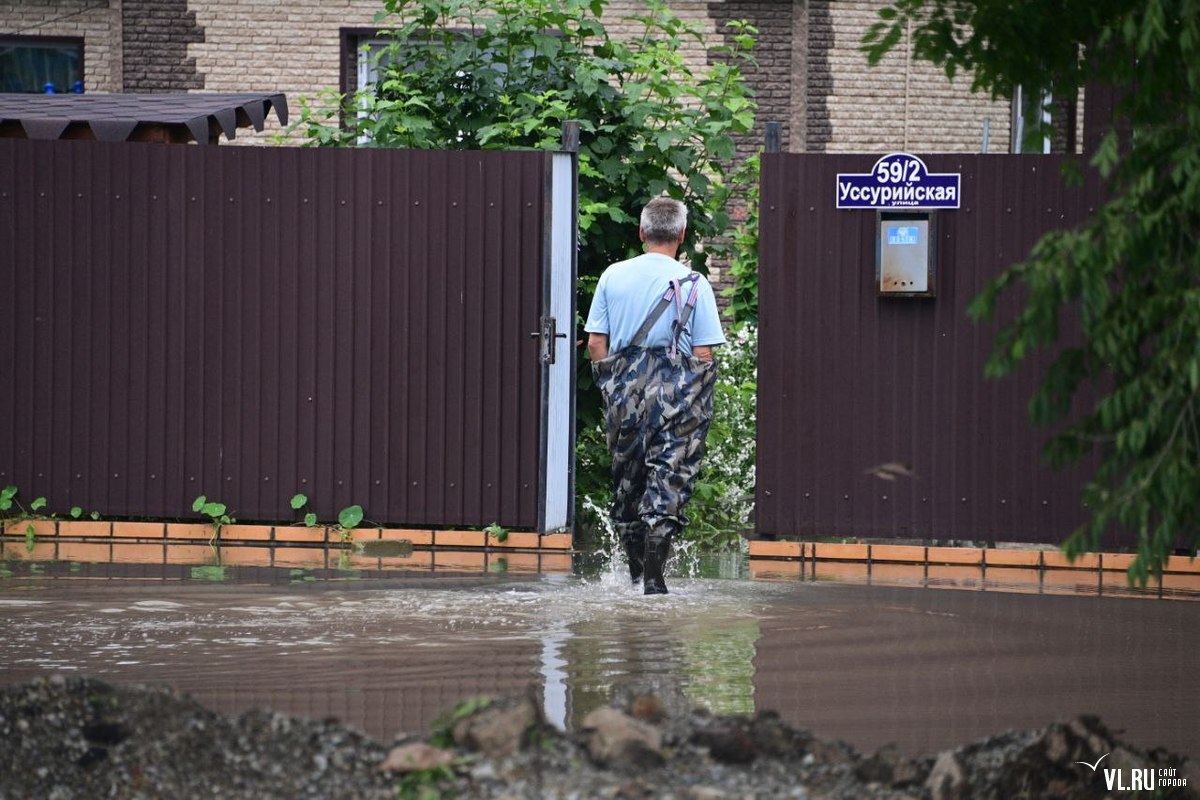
(82, 738)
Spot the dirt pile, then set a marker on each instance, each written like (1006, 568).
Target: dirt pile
(82, 738)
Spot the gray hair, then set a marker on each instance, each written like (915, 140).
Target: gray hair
(663, 220)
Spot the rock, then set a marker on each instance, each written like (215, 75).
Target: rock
(946, 780)
(415, 757)
(648, 708)
(500, 729)
(1056, 745)
(908, 772)
(833, 753)
(614, 739)
(876, 768)
(774, 738)
(162, 744)
(727, 742)
(1190, 771)
(1093, 733)
(705, 793)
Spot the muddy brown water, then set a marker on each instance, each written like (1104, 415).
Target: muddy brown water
(924, 668)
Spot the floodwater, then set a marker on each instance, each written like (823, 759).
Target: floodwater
(923, 668)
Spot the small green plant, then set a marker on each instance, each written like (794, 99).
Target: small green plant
(216, 513)
(78, 513)
(443, 727)
(8, 498)
(345, 564)
(213, 573)
(424, 784)
(497, 532)
(348, 519)
(299, 502)
(300, 575)
(9, 501)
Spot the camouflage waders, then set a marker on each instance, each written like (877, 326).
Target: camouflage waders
(658, 406)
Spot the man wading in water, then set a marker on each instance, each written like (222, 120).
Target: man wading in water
(651, 332)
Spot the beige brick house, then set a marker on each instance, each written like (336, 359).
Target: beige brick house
(811, 76)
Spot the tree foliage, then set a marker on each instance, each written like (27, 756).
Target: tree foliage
(742, 249)
(1130, 274)
(508, 73)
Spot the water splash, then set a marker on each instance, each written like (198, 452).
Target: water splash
(688, 559)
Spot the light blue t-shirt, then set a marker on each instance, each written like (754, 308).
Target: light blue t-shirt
(629, 290)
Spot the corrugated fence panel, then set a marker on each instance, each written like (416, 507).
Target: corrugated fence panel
(849, 381)
(249, 323)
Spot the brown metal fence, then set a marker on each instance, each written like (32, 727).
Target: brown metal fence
(248, 323)
(849, 380)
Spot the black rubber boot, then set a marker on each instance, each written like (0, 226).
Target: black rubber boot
(658, 550)
(635, 554)
(633, 539)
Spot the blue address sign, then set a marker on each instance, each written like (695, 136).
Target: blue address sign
(898, 180)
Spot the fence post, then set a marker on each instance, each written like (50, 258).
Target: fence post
(773, 137)
(570, 136)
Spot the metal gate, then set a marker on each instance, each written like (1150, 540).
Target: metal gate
(250, 323)
(850, 380)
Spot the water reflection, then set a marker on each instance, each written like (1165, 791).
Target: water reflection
(875, 664)
(390, 655)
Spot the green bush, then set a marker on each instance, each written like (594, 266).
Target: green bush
(741, 250)
(508, 73)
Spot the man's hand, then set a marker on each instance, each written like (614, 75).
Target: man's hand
(703, 352)
(598, 346)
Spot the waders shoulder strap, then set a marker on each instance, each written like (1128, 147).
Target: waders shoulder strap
(674, 292)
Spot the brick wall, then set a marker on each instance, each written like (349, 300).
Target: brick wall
(291, 47)
(97, 21)
(295, 47)
(157, 35)
(771, 76)
(811, 75)
(901, 104)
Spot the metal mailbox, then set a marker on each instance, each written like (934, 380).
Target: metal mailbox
(906, 253)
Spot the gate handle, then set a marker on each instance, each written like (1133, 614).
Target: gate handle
(548, 333)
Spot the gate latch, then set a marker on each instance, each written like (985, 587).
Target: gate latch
(547, 334)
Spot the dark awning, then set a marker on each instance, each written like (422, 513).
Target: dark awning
(118, 117)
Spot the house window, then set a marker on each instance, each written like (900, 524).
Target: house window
(41, 64)
(373, 59)
(364, 57)
(367, 54)
(1030, 108)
